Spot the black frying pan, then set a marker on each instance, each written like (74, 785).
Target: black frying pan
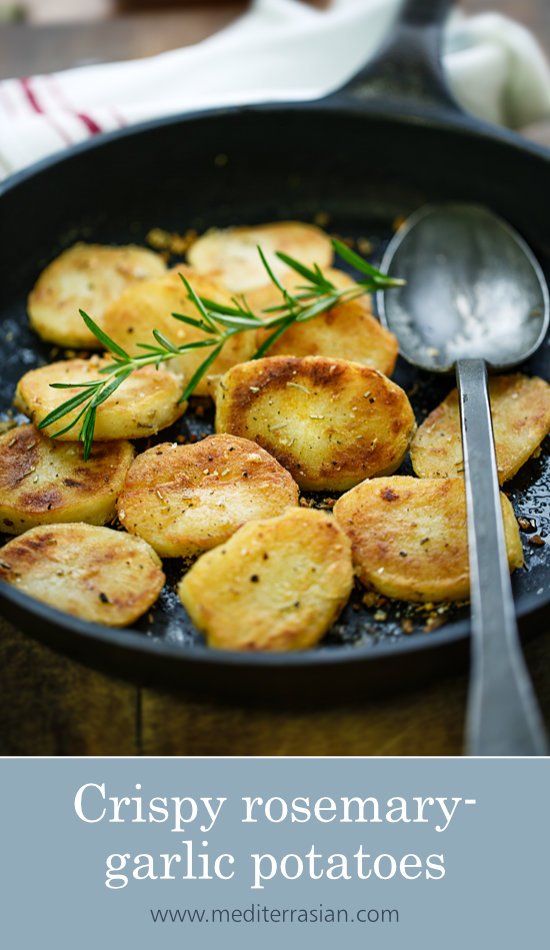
(392, 139)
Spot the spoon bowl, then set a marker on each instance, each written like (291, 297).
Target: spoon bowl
(474, 289)
(475, 296)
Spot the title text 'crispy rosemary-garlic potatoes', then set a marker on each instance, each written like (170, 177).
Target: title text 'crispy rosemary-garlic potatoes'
(231, 256)
(43, 481)
(94, 573)
(348, 332)
(185, 499)
(330, 422)
(142, 405)
(409, 536)
(275, 585)
(85, 277)
(520, 407)
(131, 319)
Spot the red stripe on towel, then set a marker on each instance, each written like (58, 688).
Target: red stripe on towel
(25, 84)
(91, 125)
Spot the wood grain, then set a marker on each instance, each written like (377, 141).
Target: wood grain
(50, 705)
(423, 722)
(50, 47)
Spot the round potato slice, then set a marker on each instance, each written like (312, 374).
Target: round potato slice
(520, 407)
(231, 255)
(330, 422)
(85, 277)
(275, 585)
(45, 482)
(90, 572)
(143, 404)
(348, 332)
(131, 319)
(267, 296)
(409, 537)
(185, 499)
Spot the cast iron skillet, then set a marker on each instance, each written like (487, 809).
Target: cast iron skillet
(390, 140)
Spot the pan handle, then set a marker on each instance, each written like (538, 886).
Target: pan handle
(407, 68)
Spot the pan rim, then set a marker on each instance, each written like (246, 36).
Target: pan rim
(436, 118)
(131, 640)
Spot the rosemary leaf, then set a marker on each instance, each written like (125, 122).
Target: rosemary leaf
(92, 382)
(200, 372)
(86, 434)
(301, 269)
(325, 303)
(198, 303)
(100, 335)
(165, 342)
(109, 388)
(270, 340)
(71, 425)
(364, 267)
(224, 310)
(199, 324)
(64, 408)
(243, 306)
(279, 308)
(241, 321)
(149, 348)
(271, 274)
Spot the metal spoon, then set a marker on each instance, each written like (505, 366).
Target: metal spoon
(475, 296)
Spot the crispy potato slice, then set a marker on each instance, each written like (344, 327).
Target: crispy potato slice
(231, 255)
(185, 499)
(90, 572)
(146, 307)
(143, 404)
(348, 332)
(275, 585)
(330, 422)
(46, 482)
(409, 537)
(85, 277)
(521, 419)
(261, 298)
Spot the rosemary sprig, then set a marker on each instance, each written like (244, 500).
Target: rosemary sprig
(219, 322)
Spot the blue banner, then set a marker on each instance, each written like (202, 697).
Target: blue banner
(383, 853)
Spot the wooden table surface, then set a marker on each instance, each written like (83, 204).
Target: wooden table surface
(50, 705)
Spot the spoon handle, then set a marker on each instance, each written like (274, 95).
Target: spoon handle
(503, 717)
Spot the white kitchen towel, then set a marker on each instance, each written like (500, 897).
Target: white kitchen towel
(280, 49)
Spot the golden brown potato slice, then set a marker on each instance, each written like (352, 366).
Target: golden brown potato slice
(261, 298)
(185, 499)
(85, 277)
(45, 482)
(94, 573)
(277, 584)
(348, 332)
(330, 422)
(521, 419)
(231, 255)
(409, 537)
(144, 403)
(146, 307)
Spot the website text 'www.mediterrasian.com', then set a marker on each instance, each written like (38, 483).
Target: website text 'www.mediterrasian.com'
(261, 914)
